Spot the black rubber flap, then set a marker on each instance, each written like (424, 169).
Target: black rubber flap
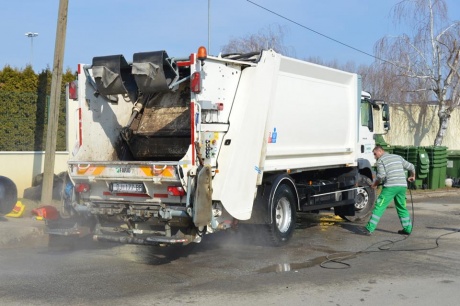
(113, 76)
(153, 71)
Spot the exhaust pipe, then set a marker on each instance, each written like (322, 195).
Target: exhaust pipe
(153, 240)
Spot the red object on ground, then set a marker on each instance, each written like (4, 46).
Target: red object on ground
(47, 212)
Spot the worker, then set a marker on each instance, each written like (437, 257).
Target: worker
(390, 173)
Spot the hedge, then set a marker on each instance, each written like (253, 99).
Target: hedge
(24, 101)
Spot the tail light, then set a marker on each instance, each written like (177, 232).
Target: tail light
(82, 188)
(195, 82)
(73, 92)
(176, 191)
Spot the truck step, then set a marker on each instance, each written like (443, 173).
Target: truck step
(72, 231)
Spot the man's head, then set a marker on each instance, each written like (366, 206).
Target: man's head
(378, 151)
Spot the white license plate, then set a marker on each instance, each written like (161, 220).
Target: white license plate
(127, 187)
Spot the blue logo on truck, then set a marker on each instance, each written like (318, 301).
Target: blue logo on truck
(272, 136)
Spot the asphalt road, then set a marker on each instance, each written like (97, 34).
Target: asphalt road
(326, 263)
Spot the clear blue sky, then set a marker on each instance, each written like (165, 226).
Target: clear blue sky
(105, 27)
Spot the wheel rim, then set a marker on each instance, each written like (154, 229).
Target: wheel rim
(283, 215)
(362, 199)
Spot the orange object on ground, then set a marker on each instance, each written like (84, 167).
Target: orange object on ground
(18, 210)
(47, 212)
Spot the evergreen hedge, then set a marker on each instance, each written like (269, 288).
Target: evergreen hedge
(24, 102)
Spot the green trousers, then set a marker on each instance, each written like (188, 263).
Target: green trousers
(398, 194)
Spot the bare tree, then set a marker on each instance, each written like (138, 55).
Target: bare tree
(271, 37)
(426, 62)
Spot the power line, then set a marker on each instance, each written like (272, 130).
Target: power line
(316, 32)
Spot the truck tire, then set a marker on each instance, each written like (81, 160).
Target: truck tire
(364, 201)
(283, 213)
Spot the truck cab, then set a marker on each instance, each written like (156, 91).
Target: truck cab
(373, 120)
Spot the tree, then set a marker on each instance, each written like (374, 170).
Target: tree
(425, 64)
(15, 80)
(271, 37)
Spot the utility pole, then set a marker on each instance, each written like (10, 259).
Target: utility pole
(31, 35)
(209, 26)
(55, 98)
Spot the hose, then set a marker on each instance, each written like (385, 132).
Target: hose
(384, 245)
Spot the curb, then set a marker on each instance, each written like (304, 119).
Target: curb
(447, 192)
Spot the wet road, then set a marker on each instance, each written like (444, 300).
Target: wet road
(326, 263)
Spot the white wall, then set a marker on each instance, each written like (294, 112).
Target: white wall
(417, 126)
(22, 167)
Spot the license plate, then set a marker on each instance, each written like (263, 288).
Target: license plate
(127, 187)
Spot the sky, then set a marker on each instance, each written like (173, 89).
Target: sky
(109, 27)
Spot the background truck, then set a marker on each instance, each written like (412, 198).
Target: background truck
(169, 149)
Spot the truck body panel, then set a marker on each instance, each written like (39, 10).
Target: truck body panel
(322, 102)
(239, 162)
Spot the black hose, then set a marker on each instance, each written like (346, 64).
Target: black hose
(339, 257)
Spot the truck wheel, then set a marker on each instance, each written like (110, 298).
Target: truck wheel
(283, 213)
(364, 201)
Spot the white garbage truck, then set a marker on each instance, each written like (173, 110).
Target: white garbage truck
(170, 149)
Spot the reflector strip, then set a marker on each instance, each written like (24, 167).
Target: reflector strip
(147, 170)
(183, 64)
(160, 195)
(187, 63)
(165, 171)
(80, 126)
(90, 170)
(192, 129)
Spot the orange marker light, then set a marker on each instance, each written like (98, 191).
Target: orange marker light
(202, 53)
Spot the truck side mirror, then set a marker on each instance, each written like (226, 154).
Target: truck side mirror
(386, 126)
(386, 113)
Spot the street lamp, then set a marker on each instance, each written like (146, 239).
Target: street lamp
(31, 35)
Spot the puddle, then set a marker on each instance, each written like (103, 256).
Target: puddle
(327, 261)
(288, 267)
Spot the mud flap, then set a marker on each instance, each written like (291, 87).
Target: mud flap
(202, 211)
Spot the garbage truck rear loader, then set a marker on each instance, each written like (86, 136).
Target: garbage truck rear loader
(170, 149)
